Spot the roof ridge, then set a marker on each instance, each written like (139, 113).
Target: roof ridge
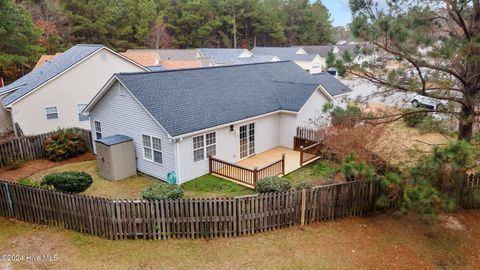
(202, 68)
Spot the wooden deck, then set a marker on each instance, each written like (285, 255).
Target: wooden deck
(292, 159)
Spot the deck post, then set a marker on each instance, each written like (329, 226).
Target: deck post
(255, 176)
(283, 163)
(210, 164)
(301, 155)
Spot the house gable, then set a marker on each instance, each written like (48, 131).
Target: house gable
(119, 112)
(74, 87)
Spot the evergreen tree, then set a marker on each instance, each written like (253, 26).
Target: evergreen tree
(18, 40)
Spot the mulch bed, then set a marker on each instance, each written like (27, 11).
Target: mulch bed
(34, 166)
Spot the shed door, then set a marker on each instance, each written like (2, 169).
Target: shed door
(103, 161)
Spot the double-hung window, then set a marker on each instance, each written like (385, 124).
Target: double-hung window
(98, 130)
(152, 149)
(204, 146)
(80, 108)
(51, 113)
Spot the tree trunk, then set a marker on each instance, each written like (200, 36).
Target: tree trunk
(465, 123)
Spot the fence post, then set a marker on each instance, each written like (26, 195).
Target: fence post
(283, 163)
(304, 207)
(255, 176)
(301, 155)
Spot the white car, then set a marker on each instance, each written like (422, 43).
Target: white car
(428, 102)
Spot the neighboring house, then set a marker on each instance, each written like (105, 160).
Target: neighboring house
(312, 63)
(53, 95)
(182, 64)
(229, 56)
(175, 58)
(177, 118)
(143, 57)
(44, 59)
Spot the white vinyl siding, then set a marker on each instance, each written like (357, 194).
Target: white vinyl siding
(51, 113)
(152, 148)
(227, 144)
(124, 115)
(80, 108)
(77, 85)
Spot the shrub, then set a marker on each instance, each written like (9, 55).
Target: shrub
(348, 117)
(324, 170)
(11, 164)
(353, 170)
(65, 143)
(303, 185)
(429, 125)
(413, 119)
(162, 191)
(75, 182)
(29, 183)
(273, 184)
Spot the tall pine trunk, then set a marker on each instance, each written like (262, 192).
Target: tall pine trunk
(465, 123)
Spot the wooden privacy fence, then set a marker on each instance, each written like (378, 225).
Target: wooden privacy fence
(187, 218)
(246, 175)
(32, 147)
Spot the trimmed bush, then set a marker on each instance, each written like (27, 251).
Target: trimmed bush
(74, 182)
(65, 143)
(273, 184)
(412, 119)
(303, 185)
(162, 191)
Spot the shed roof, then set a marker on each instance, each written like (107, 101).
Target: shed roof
(46, 72)
(189, 100)
(114, 139)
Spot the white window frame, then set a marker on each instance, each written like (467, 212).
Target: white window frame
(205, 145)
(46, 114)
(79, 112)
(152, 149)
(96, 129)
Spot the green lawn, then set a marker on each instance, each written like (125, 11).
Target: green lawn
(318, 173)
(131, 188)
(212, 186)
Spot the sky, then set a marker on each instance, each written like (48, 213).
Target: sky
(339, 10)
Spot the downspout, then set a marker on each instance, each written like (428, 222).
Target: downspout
(177, 159)
(10, 110)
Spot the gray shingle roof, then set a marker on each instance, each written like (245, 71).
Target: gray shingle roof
(178, 54)
(226, 56)
(184, 101)
(284, 53)
(35, 78)
(114, 139)
(321, 50)
(333, 86)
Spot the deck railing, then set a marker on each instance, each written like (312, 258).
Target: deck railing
(246, 175)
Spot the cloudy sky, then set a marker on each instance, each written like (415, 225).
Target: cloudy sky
(339, 10)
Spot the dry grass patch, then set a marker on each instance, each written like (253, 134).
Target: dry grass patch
(379, 242)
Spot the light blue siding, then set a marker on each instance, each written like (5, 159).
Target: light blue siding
(122, 114)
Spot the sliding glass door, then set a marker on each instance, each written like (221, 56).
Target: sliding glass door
(247, 140)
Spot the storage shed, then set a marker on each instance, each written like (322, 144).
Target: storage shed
(116, 157)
